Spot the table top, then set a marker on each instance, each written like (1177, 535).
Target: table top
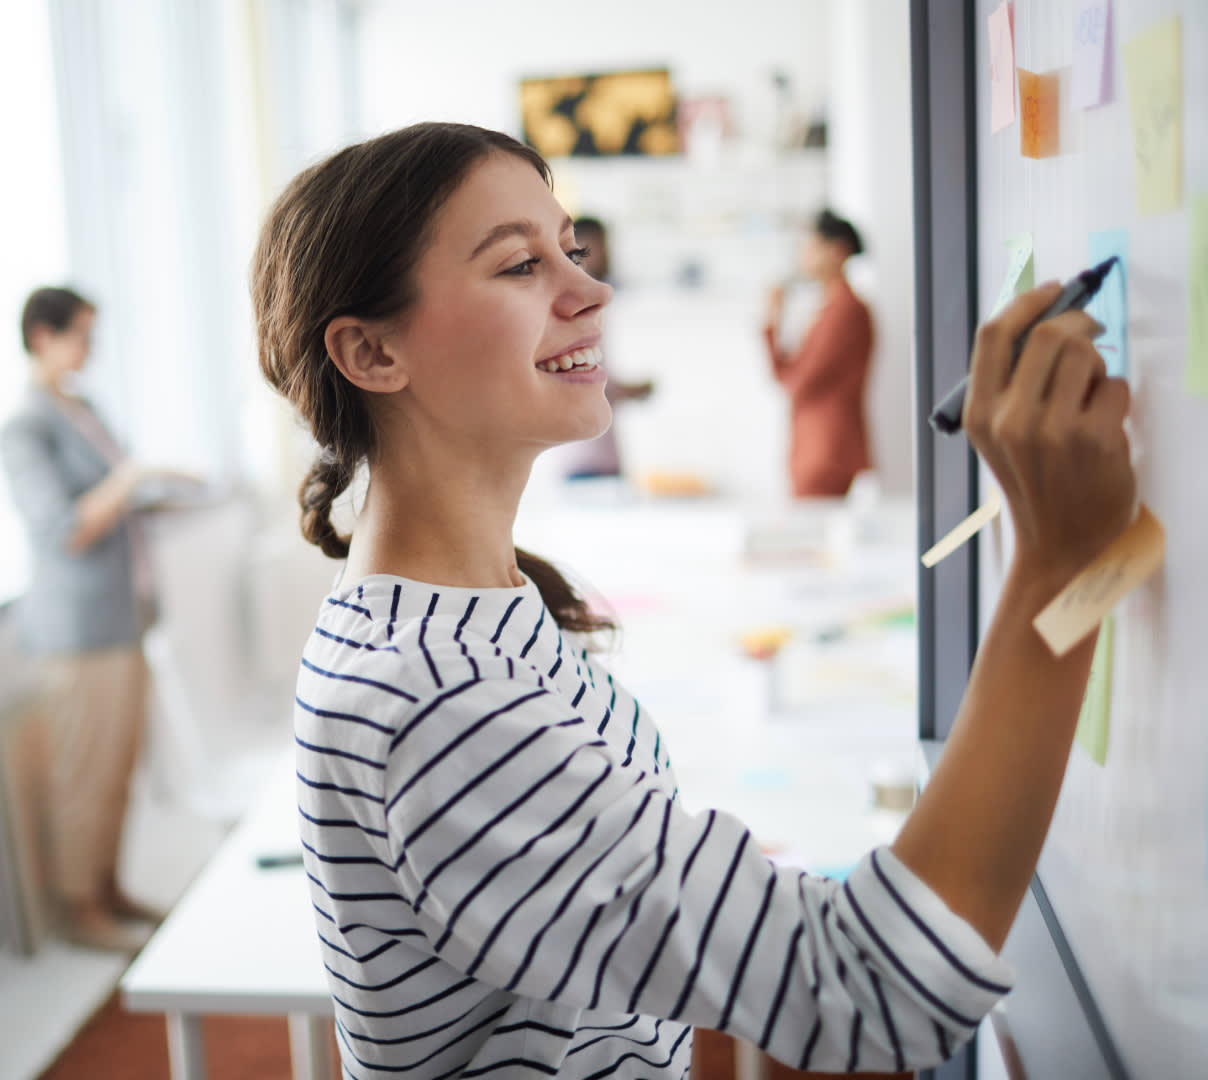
(242, 939)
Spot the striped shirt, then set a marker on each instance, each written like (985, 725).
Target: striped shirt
(505, 883)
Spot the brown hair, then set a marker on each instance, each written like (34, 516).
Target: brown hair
(53, 307)
(344, 238)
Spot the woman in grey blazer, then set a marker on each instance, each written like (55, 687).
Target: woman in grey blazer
(82, 616)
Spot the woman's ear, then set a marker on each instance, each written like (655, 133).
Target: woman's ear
(366, 356)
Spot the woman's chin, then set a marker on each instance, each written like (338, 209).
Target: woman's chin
(578, 433)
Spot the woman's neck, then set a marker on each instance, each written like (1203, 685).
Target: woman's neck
(833, 280)
(445, 526)
(46, 378)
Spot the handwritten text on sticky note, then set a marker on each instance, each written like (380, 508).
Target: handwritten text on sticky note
(1110, 304)
(1037, 113)
(1091, 80)
(1153, 69)
(1002, 67)
(1094, 721)
(1089, 598)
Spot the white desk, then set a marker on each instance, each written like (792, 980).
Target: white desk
(241, 940)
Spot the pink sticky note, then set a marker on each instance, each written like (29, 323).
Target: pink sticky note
(1091, 82)
(1002, 68)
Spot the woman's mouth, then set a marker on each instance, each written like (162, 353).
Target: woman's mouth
(575, 360)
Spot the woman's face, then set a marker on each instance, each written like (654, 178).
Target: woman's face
(502, 345)
(61, 352)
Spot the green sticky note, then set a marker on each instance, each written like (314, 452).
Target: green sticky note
(1195, 375)
(1021, 272)
(1094, 721)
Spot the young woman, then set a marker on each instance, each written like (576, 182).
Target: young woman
(503, 880)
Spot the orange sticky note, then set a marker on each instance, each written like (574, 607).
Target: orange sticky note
(1087, 600)
(1037, 113)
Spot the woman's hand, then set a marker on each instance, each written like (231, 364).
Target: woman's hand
(1052, 431)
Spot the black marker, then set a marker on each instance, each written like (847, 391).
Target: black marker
(946, 416)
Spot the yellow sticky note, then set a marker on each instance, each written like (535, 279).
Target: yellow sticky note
(1153, 70)
(1087, 600)
(1002, 67)
(1195, 375)
(984, 514)
(1037, 113)
(1094, 721)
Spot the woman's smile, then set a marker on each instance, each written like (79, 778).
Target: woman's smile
(577, 365)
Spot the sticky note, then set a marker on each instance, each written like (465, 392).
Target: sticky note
(1153, 70)
(1090, 83)
(1037, 113)
(1094, 721)
(1110, 305)
(1087, 600)
(1021, 273)
(1002, 67)
(987, 512)
(1195, 375)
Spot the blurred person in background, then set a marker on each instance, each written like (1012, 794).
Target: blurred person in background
(826, 373)
(88, 603)
(600, 456)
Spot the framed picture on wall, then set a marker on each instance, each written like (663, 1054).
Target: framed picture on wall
(621, 112)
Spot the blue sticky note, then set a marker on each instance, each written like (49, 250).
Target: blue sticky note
(1110, 305)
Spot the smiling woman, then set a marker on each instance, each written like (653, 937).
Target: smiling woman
(394, 307)
(504, 879)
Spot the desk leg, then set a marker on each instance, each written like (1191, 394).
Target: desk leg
(750, 1063)
(186, 1050)
(310, 1046)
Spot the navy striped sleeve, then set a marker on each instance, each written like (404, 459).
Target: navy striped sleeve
(537, 862)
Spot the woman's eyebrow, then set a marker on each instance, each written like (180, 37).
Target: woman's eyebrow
(523, 227)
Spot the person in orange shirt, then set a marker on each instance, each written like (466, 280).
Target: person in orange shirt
(826, 374)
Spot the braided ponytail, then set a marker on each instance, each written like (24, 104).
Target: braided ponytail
(569, 609)
(326, 480)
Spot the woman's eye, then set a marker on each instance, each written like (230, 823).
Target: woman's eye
(523, 269)
(578, 255)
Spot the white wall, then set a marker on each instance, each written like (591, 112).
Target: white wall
(716, 408)
(870, 164)
(34, 252)
(460, 60)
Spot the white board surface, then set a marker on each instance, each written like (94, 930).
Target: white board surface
(1126, 863)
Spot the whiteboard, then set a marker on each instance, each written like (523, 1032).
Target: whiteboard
(1126, 862)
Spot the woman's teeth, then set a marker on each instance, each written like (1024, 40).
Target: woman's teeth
(580, 359)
